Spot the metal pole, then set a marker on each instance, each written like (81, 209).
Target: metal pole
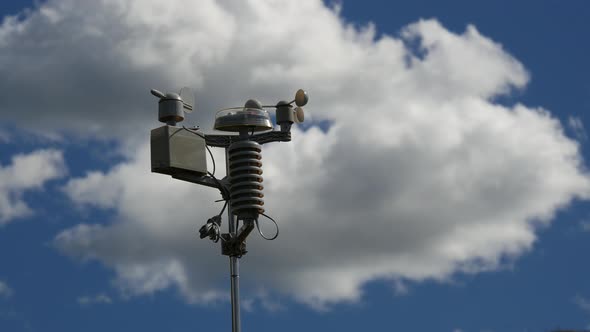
(234, 265)
(234, 268)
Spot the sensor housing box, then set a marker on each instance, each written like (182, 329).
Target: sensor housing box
(175, 150)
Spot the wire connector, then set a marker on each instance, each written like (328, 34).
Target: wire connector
(211, 229)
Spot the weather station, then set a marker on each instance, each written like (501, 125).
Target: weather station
(181, 152)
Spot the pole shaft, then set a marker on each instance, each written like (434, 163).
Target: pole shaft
(234, 268)
(234, 264)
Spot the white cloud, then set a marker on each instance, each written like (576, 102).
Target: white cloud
(576, 124)
(5, 290)
(582, 303)
(26, 172)
(97, 299)
(420, 175)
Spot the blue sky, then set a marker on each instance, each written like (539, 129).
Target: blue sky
(86, 255)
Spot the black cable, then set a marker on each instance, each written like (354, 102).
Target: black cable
(217, 233)
(260, 231)
(218, 226)
(206, 146)
(224, 192)
(223, 209)
(194, 132)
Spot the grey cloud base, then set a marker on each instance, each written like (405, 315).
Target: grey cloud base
(421, 175)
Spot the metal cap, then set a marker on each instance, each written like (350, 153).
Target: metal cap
(170, 109)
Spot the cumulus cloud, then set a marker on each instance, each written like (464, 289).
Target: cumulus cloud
(26, 172)
(419, 176)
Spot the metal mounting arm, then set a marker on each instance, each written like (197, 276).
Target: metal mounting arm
(235, 245)
(223, 141)
(205, 180)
